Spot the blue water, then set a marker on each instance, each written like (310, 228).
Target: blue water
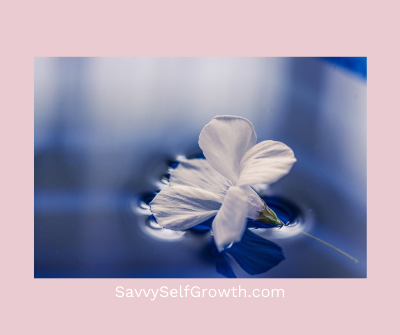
(107, 130)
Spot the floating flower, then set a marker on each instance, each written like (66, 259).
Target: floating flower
(220, 186)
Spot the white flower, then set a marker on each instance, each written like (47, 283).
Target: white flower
(200, 189)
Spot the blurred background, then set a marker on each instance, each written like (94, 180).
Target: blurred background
(107, 128)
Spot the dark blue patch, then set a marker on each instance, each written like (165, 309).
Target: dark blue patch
(285, 210)
(147, 197)
(206, 225)
(255, 254)
(173, 164)
(224, 266)
(357, 65)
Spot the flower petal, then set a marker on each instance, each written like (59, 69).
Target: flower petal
(255, 203)
(198, 173)
(224, 142)
(230, 222)
(182, 207)
(266, 162)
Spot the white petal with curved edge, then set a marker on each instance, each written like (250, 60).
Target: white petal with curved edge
(182, 207)
(255, 203)
(266, 162)
(224, 142)
(198, 173)
(230, 222)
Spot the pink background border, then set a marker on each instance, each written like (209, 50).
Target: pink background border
(207, 28)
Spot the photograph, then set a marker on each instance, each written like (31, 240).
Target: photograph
(200, 167)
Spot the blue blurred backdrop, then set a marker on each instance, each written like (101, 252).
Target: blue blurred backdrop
(107, 128)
